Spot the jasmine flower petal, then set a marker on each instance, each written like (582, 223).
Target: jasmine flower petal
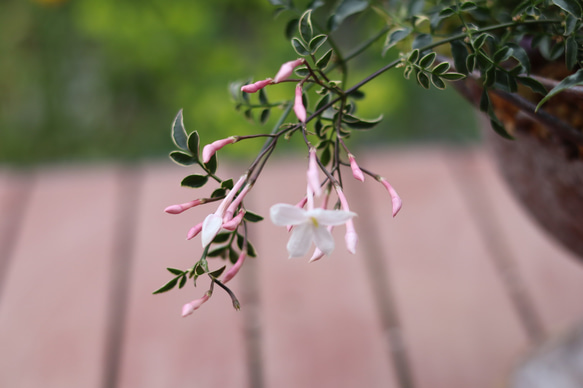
(300, 241)
(283, 214)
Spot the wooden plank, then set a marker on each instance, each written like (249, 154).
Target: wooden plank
(162, 349)
(319, 324)
(14, 194)
(552, 274)
(52, 315)
(459, 326)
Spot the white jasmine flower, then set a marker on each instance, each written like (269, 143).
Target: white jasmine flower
(309, 225)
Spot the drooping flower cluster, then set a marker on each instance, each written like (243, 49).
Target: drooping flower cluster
(308, 224)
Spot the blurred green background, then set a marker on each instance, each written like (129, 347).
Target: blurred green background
(84, 80)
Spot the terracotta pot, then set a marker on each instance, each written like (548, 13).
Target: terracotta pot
(543, 166)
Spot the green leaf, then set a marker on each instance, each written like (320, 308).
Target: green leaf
(345, 9)
(240, 241)
(571, 48)
(178, 132)
(218, 193)
(251, 250)
(218, 252)
(533, 84)
(175, 271)
(358, 123)
(322, 102)
(194, 181)
(193, 144)
(471, 62)
(571, 6)
(291, 28)
(441, 68)
(575, 79)
(167, 287)
(437, 81)
(427, 60)
(459, 52)
(421, 41)
(468, 6)
(300, 48)
(322, 63)
(182, 158)
(520, 54)
(264, 116)
(227, 184)
(221, 238)
(263, 97)
(413, 56)
(305, 26)
(481, 40)
(325, 156)
(252, 217)
(452, 76)
(316, 42)
(218, 272)
(233, 256)
(183, 280)
(570, 25)
(422, 79)
(395, 37)
(302, 71)
(447, 12)
(407, 71)
(212, 164)
(502, 54)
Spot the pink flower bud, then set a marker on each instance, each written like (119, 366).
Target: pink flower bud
(234, 223)
(312, 173)
(189, 308)
(286, 70)
(235, 268)
(342, 198)
(209, 150)
(252, 88)
(356, 171)
(233, 206)
(299, 108)
(177, 209)
(301, 205)
(318, 254)
(395, 199)
(351, 238)
(194, 231)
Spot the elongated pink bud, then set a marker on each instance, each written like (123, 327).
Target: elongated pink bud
(236, 202)
(194, 231)
(318, 254)
(234, 223)
(356, 171)
(235, 268)
(177, 209)
(312, 173)
(351, 238)
(301, 205)
(189, 308)
(286, 70)
(395, 199)
(255, 87)
(299, 108)
(209, 150)
(342, 198)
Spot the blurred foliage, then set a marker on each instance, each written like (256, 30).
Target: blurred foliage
(94, 79)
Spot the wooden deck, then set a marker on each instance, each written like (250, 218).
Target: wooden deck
(452, 293)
